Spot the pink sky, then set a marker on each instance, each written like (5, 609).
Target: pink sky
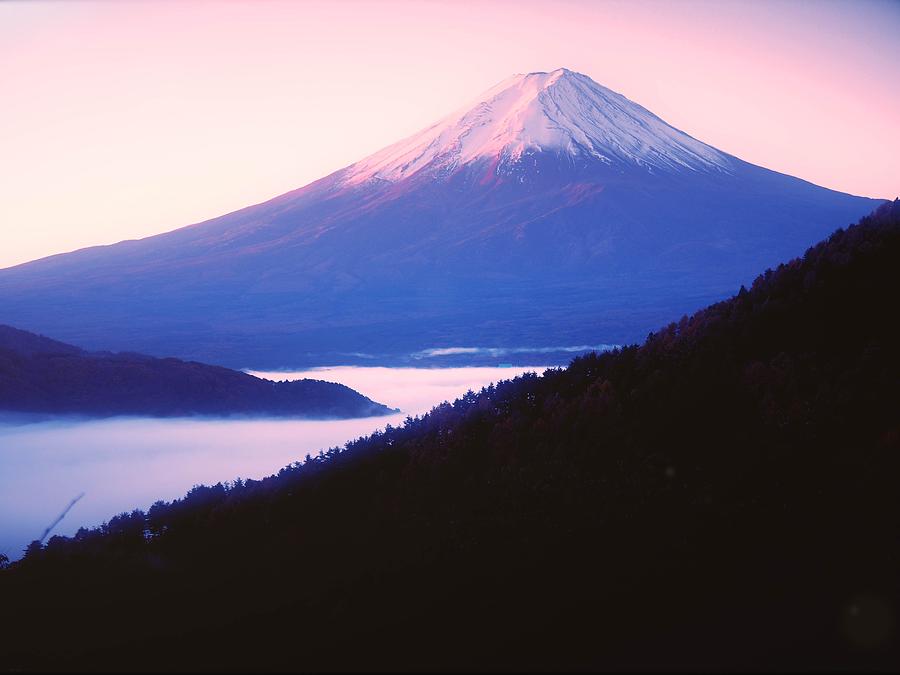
(124, 119)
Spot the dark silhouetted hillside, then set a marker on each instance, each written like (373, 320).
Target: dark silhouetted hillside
(722, 497)
(40, 375)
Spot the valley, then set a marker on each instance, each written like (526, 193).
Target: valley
(126, 463)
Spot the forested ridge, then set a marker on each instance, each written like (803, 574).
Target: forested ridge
(42, 376)
(722, 496)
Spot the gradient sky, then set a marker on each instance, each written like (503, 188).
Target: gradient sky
(124, 119)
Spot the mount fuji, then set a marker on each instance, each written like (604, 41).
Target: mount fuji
(550, 215)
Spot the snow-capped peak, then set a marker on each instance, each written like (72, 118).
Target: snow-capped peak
(559, 111)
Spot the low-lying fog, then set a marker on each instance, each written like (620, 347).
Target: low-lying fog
(126, 463)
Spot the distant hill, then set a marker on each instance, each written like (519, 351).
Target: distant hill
(551, 212)
(43, 376)
(723, 497)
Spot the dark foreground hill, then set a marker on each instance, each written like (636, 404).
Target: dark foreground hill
(45, 377)
(722, 497)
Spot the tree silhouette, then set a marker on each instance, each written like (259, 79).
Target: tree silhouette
(719, 497)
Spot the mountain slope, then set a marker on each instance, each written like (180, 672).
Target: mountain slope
(721, 498)
(42, 376)
(552, 212)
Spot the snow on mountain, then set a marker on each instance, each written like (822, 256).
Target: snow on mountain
(552, 211)
(560, 111)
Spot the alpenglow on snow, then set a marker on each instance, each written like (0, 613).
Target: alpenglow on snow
(561, 111)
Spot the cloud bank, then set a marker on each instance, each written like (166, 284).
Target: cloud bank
(505, 351)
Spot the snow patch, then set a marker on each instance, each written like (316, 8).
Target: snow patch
(560, 111)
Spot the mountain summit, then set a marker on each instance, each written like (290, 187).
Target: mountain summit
(561, 112)
(550, 215)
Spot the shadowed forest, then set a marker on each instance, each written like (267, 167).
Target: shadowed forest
(45, 377)
(722, 496)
